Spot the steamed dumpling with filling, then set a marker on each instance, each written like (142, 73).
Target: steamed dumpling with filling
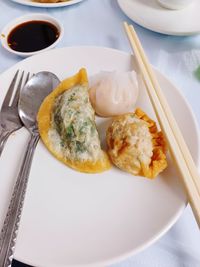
(135, 144)
(66, 122)
(113, 93)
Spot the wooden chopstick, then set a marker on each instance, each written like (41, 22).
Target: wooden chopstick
(177, 145)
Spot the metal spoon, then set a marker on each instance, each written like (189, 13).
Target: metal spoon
(31, 97)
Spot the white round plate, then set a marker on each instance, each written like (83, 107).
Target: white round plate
(150, 15)
(77, 219)
(36, 4)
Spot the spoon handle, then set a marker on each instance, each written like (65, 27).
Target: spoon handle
(3, 138)
(11, 223)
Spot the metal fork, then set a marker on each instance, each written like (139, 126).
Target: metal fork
(9, 118)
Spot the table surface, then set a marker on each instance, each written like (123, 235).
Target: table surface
(99, 23)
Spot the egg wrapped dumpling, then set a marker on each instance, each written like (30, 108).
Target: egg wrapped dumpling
(66, 123)
(135, 145)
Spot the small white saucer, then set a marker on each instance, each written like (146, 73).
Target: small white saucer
(150, 15)
(30, 17)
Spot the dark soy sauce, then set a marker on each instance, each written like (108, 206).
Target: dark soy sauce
(32, 36)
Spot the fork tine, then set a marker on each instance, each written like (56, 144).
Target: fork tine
(27, 78)
(16, 97)
(10, 91)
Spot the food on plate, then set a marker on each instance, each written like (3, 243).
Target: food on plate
(113, 93)
(50, 1)
(66, 122)
(135, 145)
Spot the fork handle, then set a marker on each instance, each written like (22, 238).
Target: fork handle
(3, 138)
(11, 223)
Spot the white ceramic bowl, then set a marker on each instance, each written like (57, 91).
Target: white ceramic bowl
(175, 4)
(30, 17)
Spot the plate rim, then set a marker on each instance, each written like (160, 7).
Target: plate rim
(181, 208)
(46, 5)
(154, 29)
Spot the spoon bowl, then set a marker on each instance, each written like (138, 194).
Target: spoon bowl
(32, 95)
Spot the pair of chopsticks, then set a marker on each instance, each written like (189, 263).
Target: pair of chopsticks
(177, 146)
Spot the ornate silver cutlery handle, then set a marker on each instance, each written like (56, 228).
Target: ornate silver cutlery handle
(11, 223)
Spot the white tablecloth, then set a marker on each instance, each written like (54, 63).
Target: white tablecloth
(99, 22)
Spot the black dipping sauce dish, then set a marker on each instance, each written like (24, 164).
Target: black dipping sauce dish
(31, 34)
